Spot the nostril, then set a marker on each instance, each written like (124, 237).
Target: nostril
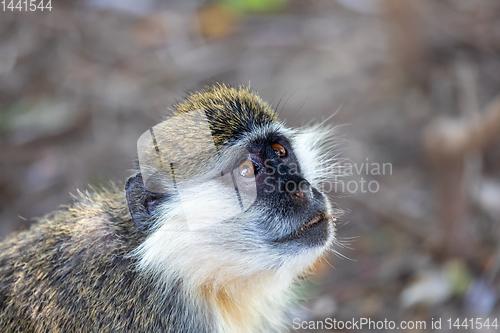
(301, 194)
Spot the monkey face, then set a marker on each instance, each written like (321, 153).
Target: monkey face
(248, 176)
(299, 212)
(257, 206)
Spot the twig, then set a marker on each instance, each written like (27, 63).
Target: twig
(448, 143)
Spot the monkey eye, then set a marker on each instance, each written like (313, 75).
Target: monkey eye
(246, 169)
(279, 150)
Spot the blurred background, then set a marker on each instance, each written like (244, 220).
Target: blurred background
(412, 84)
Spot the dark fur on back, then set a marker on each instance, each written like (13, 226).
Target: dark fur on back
(42, 270)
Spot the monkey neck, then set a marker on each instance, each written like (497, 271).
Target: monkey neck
(246, 305)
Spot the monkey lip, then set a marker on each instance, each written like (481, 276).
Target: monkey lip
(316, 220)
(315, 228)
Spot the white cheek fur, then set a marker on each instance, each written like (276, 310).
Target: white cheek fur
(313, 147)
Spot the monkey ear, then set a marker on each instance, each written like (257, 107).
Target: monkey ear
(141, 202)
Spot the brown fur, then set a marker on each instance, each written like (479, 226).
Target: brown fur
(241, 303)
(60, 275)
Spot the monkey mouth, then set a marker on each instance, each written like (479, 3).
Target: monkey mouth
(315, 220)
(313, 232)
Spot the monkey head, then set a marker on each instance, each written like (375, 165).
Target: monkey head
(226, 191)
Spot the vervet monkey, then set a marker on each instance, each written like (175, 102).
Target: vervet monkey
(215, 241)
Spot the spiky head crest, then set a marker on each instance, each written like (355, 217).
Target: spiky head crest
(230, 111)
